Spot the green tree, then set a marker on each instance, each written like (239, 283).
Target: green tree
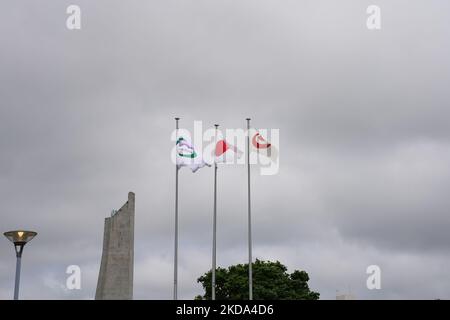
(270, 281)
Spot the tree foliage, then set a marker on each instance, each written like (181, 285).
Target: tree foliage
(270, 281)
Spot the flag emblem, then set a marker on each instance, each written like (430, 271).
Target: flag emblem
(262, 147)
(259, 142)
(225, 151)
(187, 156)
(185, 149)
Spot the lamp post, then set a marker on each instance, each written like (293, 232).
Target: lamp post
(19, 238)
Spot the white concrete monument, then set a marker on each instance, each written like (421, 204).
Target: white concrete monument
(115, 279)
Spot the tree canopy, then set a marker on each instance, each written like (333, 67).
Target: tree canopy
(270, 281)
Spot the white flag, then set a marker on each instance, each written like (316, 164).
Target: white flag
(226, 152)
(187, 156)
(262, 147)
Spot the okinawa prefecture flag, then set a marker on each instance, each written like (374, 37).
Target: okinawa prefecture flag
(187, 156)
(226, 152)
(262, 147)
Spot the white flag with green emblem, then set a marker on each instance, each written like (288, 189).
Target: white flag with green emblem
(188, 157)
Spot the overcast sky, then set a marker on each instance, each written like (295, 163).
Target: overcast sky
(86, 116)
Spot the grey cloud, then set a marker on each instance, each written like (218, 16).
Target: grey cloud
(86, 116)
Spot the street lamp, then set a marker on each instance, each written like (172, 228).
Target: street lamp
(20, 239)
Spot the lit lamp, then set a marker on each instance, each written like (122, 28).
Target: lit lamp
(20, 239)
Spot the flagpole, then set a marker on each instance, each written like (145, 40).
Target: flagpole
(175, 263)
(213, 269)
(250, 259)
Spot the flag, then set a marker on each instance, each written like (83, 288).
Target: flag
(187, 156)
(261, 146)
(226, 152)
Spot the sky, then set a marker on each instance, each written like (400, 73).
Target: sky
(86, 116)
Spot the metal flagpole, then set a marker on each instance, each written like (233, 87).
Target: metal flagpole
(213, 269)
(175, 262)
(250, 259)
